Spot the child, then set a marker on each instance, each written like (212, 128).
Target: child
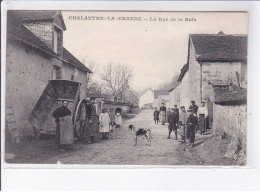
(156, 116)
(104, 124)
(191, 124)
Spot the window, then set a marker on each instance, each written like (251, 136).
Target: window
(56, 72)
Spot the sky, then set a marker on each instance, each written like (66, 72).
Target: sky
(156, 50)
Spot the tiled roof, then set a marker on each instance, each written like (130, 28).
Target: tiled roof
(219, 90)
(36, 15)
(74, 61)
(160, 92)
(220, 47)
(183, 71)
(18, 31)
(224, 96)
(233, 97)
(174, 86)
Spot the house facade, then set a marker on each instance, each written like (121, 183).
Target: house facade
(174, 95)
(35, 55)
(146, 98)
(213, 59)
(161, 96)
(130, 97)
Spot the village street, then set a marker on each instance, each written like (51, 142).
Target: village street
(120, 150)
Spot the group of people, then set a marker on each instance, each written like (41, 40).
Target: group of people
(95, 125)
(187, 121)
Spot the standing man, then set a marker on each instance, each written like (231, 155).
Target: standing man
(92, 118)
(173, 123)
(191, 124)
(177, 112)
(168, 114)
(194, 107)
(202, 116)
(64, 129)
(118, 117)
(182, 122)
(162, 114)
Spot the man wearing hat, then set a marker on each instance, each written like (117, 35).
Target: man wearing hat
(173, 122)
(191, 124)
(194, 107)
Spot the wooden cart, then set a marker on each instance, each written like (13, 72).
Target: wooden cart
(55, 92)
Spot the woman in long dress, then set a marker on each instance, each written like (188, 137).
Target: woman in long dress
(118, 117)
(104, 120)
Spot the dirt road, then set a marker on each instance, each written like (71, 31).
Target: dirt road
(120, 150)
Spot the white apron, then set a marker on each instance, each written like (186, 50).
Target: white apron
(104, 120)
(66, 130)
(118, 119)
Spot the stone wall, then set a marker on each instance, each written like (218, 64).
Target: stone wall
(232, 120)
(27, 74)
(185, 91)
(174, 97)
(195, 77)
(79, 76)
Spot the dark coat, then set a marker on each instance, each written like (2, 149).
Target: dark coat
(163, 108)
(191, 124)
(194, 108)
(61, 112)
(156, 115)
(91, 111)
(173, 121)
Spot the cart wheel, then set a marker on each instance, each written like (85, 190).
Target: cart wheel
(79, 119)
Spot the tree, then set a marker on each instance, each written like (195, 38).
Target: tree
(116, 78)
(93, 86)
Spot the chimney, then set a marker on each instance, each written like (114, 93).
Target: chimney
(221, 33)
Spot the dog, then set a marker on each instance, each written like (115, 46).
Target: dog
(141, 132)
(112, 130)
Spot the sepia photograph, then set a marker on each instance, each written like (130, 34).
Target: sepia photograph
(158, 88)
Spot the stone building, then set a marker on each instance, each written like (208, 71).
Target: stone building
(146, 99)
(174, 95)
(161, 96)
(130, 97)
(213, 59)
(35, 55)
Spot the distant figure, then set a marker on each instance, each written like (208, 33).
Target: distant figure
(92, 118)
(64, 128)
(202, 116)
(156, 116)
(162, 115)
(182, 122)
(104, 120)
(173, 122)
(191, 124)
(168, 114)
(118, 117)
